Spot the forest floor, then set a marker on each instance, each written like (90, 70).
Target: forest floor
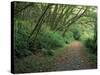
(74, 57)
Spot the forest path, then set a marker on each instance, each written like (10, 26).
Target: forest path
(74, 58)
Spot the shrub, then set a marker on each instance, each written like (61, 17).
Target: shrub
(76, 35)
(92, 45)
(69, 37)
(51, 40)
(24, 47)
(20, 39)
(48, 52)
(47, 41)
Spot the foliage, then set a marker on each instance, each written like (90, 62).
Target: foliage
(92, 45)
(51, 40)
(21, 36)
(69, 37)
(42, 28)
(47, 41)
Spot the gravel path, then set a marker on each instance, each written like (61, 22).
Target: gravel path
(74, 58)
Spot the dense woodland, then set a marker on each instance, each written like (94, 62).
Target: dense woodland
(43, 30)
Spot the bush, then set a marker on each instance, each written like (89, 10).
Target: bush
(51, 40)
(22, 53)
(48, 52)
(24, 47)
(92, 45)
(48, 41)
(20, 38)
(69, 37)
(76, 35)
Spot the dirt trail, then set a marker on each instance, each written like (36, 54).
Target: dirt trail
(74, 58)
